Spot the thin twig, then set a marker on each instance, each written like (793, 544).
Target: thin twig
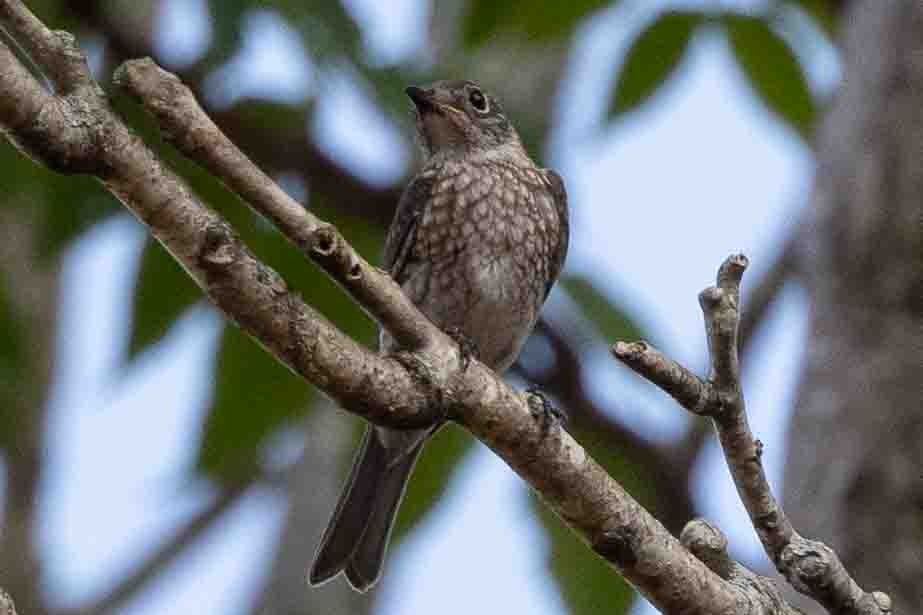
(810, 566)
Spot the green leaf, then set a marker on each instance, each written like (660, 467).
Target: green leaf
(254, 395)
(653, 58)
(328, 31)
(227, 27)
(440, 460)
(822, 12)
(62, 206)
(554, 20)
(163, 291)
(611, 322)
(772, 69)
(73, 206)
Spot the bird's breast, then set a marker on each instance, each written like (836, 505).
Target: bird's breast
(484, 240)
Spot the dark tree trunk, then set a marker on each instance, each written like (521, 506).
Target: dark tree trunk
(855, 471)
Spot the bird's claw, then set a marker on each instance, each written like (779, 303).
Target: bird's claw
(542, 409)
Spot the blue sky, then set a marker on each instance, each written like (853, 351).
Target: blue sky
(658, 199)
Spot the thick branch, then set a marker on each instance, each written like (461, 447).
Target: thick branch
(249, 292)
(811, 567)
(378, 388)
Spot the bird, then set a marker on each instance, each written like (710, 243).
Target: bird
(478, 239)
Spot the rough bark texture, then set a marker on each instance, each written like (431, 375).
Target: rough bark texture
(855, 456)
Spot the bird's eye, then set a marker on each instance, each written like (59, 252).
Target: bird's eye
(478, 101)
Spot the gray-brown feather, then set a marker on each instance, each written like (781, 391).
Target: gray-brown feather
(487, 244)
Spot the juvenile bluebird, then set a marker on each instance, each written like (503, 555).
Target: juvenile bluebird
(478, 240)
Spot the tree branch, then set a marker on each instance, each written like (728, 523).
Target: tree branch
(810, 566)
(79, 133)
(709, 544)
(184, 124)
(274, 149)
(384, 390)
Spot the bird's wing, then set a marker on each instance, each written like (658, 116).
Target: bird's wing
(559, 194)
(401, 234)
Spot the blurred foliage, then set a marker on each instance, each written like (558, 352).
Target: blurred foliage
(163, 292)
(768, 62)
(13, 361)
(586, 581)
(653, 58)
(611, 322)
(772, 70)
(822, 12)
(486, 18)
(253, 396)
(440, 460)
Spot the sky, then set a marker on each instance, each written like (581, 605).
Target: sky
(658, 200)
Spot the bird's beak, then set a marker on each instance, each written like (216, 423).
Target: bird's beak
(422, 99)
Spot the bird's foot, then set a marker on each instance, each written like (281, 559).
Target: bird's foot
(467, 349)
(544, 410)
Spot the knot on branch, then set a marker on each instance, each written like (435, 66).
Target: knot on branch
(807, 564)
(618, 546)
(331, 252)
(709, 545)
(732, 271)
(882, 601)
(65, 134)
(219, 247)
(63, 130)
(814, 568)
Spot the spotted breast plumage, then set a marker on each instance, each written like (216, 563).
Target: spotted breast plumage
(478, 240)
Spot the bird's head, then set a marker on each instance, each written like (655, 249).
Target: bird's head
(460, 115)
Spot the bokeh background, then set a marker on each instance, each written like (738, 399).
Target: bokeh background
(158, 461)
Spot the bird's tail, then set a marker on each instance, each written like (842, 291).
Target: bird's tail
(357, 535)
